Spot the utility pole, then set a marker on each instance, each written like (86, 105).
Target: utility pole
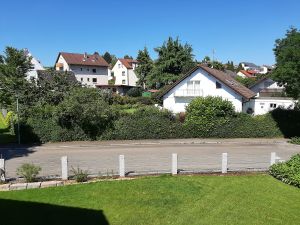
(213, 57)
(18, 118)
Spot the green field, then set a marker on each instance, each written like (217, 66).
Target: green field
(252, 199)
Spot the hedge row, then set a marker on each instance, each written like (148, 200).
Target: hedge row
(288, 172)
(151, 123)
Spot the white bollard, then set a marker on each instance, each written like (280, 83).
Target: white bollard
(2, 169)
(174, 164)
(64, 168)
(224, 163)
(122, 165)
(273, 158)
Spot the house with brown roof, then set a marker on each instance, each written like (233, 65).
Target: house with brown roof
(90, 70)
(205, 81)
(124, 72)
(269, 96)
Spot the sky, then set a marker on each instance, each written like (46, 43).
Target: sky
(237, 30)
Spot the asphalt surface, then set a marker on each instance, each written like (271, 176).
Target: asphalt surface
(149, 156)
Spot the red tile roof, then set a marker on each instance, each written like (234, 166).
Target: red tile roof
(79, 59)
(246, 73)
(128, 62)
(219, 75)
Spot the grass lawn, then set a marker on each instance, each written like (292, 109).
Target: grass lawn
(252, 199)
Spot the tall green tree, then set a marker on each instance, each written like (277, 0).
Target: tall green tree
(107, 57)
(239, 68)
(173, 60)
(287, 54)
(128, 57)
(230, 66)
(145, 66)
(14, 65)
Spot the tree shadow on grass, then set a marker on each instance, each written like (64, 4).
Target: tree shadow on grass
(31, 213)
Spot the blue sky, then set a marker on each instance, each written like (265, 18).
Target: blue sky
(237, 30)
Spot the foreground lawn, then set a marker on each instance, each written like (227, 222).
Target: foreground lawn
(256, 199)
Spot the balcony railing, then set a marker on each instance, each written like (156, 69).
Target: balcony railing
(188, 93)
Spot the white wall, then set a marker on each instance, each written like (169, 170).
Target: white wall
(36, 66)
(127, 78)
(175, 103)
(262, 106)
(85, 74)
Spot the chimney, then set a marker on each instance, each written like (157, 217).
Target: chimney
(85, 56)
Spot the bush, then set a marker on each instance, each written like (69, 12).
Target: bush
(29, 171)
(145, 123)
(80, 175)
(288, 172)
(204, 114)
(135, 92)
(295, 140)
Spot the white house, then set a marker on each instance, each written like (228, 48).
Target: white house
(36, 65)
(205, 81)
(124, 72)
(90, 70)
(269, 96)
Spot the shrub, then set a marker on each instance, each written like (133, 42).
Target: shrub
(135, 92)
(295, 140)
(206, 113)
(288, 172)
(29, 171)
(145, 123)
(80, 175)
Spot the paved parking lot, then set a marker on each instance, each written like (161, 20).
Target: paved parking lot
(150, 155)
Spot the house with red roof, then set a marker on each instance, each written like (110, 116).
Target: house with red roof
(124, 72)
(90, 70)
(246, 74)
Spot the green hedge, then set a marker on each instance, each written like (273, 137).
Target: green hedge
(288, 172)
(145, 123)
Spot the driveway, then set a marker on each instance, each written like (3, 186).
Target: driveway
(150, 156)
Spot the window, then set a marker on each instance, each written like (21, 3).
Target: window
(123, 81)
(119, 65)
(61, 68)
(80, 69)
(88, 79)
(88, 69)
(218, 85)
(273, 105)
(123, 73)
(94, 70)
(94, 80)
(81, 79)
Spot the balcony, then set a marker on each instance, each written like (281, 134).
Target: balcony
(188, 93)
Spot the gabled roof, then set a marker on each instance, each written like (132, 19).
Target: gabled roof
(128, 62)
(83, 59)
(219, 75)
(259, 81)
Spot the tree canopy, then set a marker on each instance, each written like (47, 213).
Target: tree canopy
(107, 57)
(173, 60)
(287, 54)
(145, 66)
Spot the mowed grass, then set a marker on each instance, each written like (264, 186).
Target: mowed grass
(252, 199)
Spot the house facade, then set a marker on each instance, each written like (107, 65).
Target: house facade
(269, 96)
(36, 65)
(204, 81)
(124, 72)
(90, 70)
